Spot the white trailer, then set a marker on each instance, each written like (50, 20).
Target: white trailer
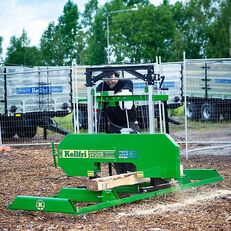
(208, 90)
(31, 97)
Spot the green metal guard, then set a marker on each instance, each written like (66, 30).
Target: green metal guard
(54, 155)
(103, 97)
(103, 199)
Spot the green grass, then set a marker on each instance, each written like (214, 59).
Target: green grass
(65, 122)
(201, 126)
(177, 112)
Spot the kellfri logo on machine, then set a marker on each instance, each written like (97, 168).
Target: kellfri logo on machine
(106, 154)
(75, 153)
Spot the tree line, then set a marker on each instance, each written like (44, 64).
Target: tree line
(129, 31)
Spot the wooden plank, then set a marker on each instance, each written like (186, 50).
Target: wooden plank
(109, 182)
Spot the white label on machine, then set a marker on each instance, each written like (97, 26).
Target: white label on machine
(104, 154)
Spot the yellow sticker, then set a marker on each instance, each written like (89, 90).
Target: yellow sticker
(90, 173)
(140, 174)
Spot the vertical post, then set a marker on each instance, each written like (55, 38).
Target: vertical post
(165, 117)
(75, 98)
(53, 154)
(44, 133)
(151, 109)
(0, 136)
(5, 102)
(230, 37)
(161, 117)
(89, 110)
(89, 84)
(5, 92)
(108, 55)
(95, 112)
(185, 107)
(206, 81)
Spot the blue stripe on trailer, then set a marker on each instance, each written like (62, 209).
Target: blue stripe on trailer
(223, 81)
(169, 84)
(39, 90)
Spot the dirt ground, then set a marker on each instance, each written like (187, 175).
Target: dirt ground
(30, 171)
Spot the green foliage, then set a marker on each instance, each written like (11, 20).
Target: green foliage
(202, 29)
(218, 34)
(95, 53)
(61, 44)
(67, 31)
(194, 29)
(132, 3)
(89, 13)
(48, 45)
(140, 36)
(198, 27)
(19, 52)
(93, 20)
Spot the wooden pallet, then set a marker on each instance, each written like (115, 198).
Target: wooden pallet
(110, 182)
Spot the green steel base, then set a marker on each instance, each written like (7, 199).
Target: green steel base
(64, 201)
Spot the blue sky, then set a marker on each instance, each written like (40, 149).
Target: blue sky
(33, 16)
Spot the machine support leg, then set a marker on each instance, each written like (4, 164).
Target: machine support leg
(44, 133)
(166, 116)
(110, 169)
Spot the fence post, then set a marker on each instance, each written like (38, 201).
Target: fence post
(185, 106)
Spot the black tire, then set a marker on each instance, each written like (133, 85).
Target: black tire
(210, 112)
(27, 132)
(193, 111)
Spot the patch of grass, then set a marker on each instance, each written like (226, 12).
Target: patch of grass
(208, 126)
(177, 112)
(200, 126)
(62, 122)
(65, 122)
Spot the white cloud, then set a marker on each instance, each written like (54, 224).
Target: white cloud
(33, 16)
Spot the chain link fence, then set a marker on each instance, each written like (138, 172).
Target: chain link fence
(41, 105)
(168, 80)
(208, 105)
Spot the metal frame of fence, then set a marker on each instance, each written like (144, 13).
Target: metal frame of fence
(78, 91)
(212, 144)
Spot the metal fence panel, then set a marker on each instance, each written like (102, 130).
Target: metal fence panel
(208, 110)
(32, 98)
(42, 104)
